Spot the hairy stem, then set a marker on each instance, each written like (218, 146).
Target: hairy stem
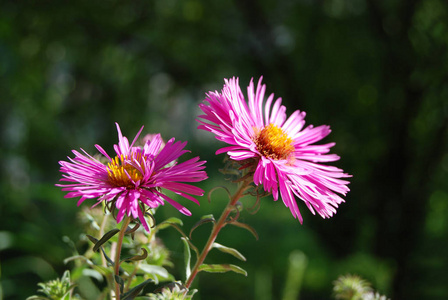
(216, 228)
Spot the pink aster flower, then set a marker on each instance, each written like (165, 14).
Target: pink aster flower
(282, 149)
(135, 177)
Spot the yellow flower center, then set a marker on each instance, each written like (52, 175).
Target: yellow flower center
(118, 167)
(273, 142)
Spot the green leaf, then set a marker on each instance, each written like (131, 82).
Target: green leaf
(132, 293)
(203, 220)
(245, 226)
(103, 270)
(187, 257)
(105, 238)
(120, 281)
(92, 239)
(82, 257)
(169, 222)
(138, 257)
(228, 250)
(155, 271)
(93, 274)
(110, 261)
(222, 269)
(210, 216)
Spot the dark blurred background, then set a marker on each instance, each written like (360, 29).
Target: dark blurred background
(375, 71)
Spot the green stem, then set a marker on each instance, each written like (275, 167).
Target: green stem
(101, 233)
(216, 228)
(124, 226)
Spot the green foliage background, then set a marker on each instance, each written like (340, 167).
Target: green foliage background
(376, 71)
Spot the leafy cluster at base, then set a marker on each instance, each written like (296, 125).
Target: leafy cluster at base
(352, 287)
(58, 289)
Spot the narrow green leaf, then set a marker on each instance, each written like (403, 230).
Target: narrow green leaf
(132, 293)
(93, 274)
(170, 221)
(222, 269)
(138, 257)
(203, 220)
(110, 261)
(120, 281)
(103, 270)
(95, 241)
(155, 271)
(187, 257)
(230, 251)
(105, 238)
(92, 239)
(245, 226)
(68, 259)
(210, 216)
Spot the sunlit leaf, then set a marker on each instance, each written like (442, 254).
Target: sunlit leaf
(187, 257)
(155, 272)
(153, 269)
(93, 273)
(228, 250)
(170, 222)
(103, 270)
(222, 268)
(74, 257)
